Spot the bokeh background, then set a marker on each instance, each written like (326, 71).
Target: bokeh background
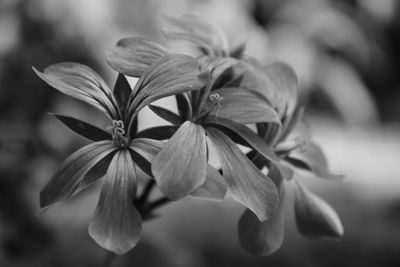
(346, 54)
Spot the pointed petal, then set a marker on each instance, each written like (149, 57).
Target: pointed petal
(132, 56)
(116, 224)
(245, 182)
(197, 31)
(166, 114)
(158, 132)
(83, 83)
(314, 217)
(65, 181)
(180, 167)
(214, 188)
(184, 107)
(122, 91)
(242, 106)
(84, 129)
(171, 74)
(312, 158)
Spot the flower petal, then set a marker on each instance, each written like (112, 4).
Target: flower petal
(83, 83)
(197, 31)
(314, 217)
(65, 181)
(245, 182)
(171, 74)
(214, 188)
(242, 106)
(84, 129)
(263, 238)
(249, 136)
(180, 167)
(116, 224)
(312, 158)
(158, 132)
(166, 114)
(144, 152)
(132, 56)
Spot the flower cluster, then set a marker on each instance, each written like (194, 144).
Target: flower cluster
(217, 95)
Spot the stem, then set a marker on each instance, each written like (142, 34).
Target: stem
(109, 259)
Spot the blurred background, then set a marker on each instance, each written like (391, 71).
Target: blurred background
(347, 56)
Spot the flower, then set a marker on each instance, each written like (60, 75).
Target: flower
(314, 217)
(217, 111)
(119, 156)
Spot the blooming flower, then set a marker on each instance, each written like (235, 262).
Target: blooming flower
(217, 111)
(117, 157)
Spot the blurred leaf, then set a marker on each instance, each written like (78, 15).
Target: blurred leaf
(158, 132)
(312, 156)
(71, 171)
(116, 224)
(132, 56)
(241, 105)
(180, 166)
(166, 114)
(246, 183)
(314, 217)
(172, 74)
(197, 31)
(84, 129)
(83, 83)
(214, 188)
(122, 91)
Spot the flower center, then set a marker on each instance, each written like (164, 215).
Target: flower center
(118, 133)
(216, 99)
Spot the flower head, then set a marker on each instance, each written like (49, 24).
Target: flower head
(116, 155)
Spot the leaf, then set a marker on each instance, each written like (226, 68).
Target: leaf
(116, 224)
(290, 124)
(241, 105)
(122, 91)
(180, 166)
(245, 182)
(313, 158)
(83, 83)
(171, 74)
(65, 181)
(198, 32)
(84, 129)
(158, 132)
(214, 188)
(314, 217)
(132, 56)
(166, 114)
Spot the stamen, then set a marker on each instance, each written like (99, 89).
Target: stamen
(216, 98)
(118, 131)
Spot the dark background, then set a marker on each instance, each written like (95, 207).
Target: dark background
(347, 57)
